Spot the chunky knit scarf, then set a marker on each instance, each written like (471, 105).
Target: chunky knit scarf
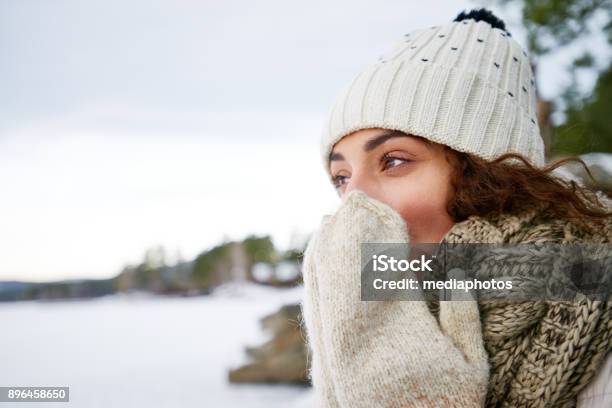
(542, 353)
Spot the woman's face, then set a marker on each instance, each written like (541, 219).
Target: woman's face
(405, 172)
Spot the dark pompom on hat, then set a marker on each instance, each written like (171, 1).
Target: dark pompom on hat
(483, 15)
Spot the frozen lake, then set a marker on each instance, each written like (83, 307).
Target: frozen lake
(143, 351)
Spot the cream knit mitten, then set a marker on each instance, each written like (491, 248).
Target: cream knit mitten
(383, 353)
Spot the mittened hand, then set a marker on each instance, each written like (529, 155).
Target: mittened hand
(360, 219)
(340, 234)
(383, 353)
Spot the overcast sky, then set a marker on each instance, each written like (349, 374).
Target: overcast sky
(128, 124)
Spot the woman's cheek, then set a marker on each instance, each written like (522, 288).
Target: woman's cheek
(419, 198)
(419, 208)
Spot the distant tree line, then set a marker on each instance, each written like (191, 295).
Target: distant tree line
(225, 262)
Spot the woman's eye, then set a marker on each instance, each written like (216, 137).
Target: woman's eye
(391, 162)
(339, 180)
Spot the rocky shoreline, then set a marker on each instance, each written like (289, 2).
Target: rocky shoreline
(283, 358)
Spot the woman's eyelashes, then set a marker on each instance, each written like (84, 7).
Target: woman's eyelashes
(389, 161)
(338, 180)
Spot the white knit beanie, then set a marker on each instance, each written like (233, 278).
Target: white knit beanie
(466, 84)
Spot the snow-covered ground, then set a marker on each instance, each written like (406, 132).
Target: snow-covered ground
(144, 351)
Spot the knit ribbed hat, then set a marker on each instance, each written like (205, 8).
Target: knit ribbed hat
(466, 84)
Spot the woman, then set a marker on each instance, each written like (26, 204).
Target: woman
(438, 142)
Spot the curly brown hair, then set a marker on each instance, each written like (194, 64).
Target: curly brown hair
(511, 183)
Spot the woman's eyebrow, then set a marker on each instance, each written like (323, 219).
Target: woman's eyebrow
(372, 143)
(336, 157)
(376, 141)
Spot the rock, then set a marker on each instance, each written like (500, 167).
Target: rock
(283, 358)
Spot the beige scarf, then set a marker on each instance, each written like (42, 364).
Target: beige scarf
(542, 353)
